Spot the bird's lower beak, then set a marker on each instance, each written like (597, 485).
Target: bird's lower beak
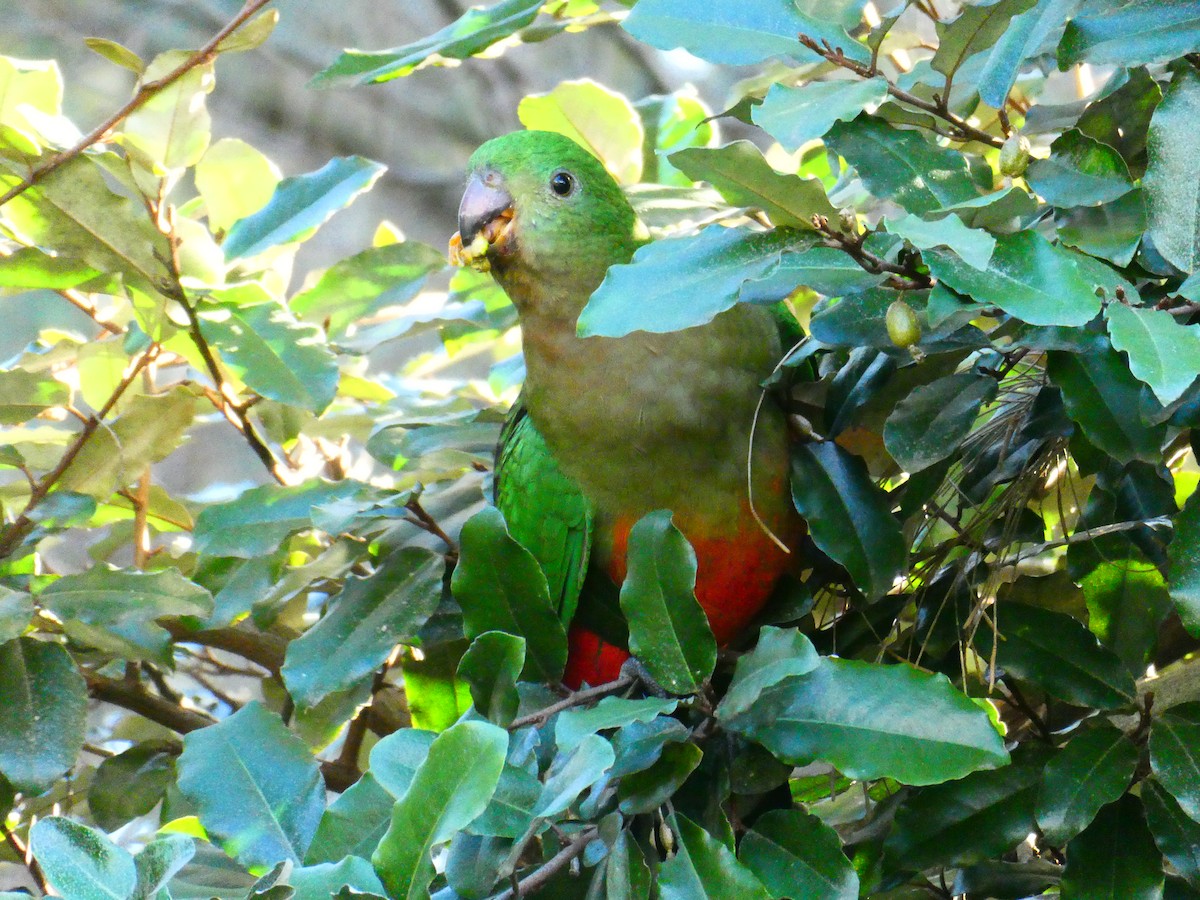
(484, 224)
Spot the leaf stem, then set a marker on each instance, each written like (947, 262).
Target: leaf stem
(577, 698)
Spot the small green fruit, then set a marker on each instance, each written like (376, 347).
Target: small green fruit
(1014, 155)
(903, 327)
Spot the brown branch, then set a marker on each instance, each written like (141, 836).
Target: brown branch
(20, 527)
(901, 277)
(260, 647)
(77, 300)
(534, 882)
(962, 129)
(426, 522)
(22, 852)
(577, 698)
(144, 93)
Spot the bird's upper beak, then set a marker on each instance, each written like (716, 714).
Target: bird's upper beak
(484, 222)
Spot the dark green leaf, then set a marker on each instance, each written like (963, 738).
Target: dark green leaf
(1026, 277)
(1183, 572)
(704, 868)
(321, 881)
(626, 875)
(1127, 600)
(1115, 857)
(1162, 352)
(680, 282)
(930, 423)
(639, 744)
(1174, 739)
(795, 116)
(491, 666)
(369, 617)
(822, 269)
(973, 246)
(648, 789)
(1112, 231)
(115, 610)
(573, 773)
(965, 821)
(353, 823)
(1056, 652)
(130, 784)
(450, 788)
(43, 715)
(743, 177)
(780, 652)
(738, 34)
(510, 811)
(396, 758)
(1175, 213)
(848, 515)
(573, 725)
(300, 205)
(1130, 34)
(1101, 395)
(874, 721)
(476, 30)
(256, 787)
(668, 631)
(797, 855)
(259, 520)
(81, 863)
(1176, 833)
(1080, 171)
(975, 29)
(1021, 40)
(16, 611)
(501, 588)
(158, 862)
(1093, 769)
(904, 166)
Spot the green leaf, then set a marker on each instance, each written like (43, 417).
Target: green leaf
(321, 881)
(24, 395)
(999, 209)
(849, 517)
(396, 758)
(255, 786)
(1056, 652)
(795, 116)
(647, 789)
(152, 426)
(1174, 168)
(353, 824)
(259, 520)
(501, 588)
(1080, 171)
(1163, 353)
(29, 86)
(491, 666)
(1101, 395)
(250, 35)
(974, 30)
(704, 868)
(159, 861)
(1127, 600)
(668, 631)
(972, 245)
(1115, 857)
(797, 855)
(300, 205)
(369, 618)
(43, 715)
(736, 34)
(450, 788)
(365, 283)
(130, 784)
(595, 117)
(29, 268)
(16, 611)
(1176, 833)
(779, 653)
(474, 31)
(234, 180)
(1130, 34)
(1111, 231)
(626, 875)
(1027, 277)
(904, 166)
(639, 745)
(825, 270)
(1183, 568)
(961, 822)
(680, 282)
(275, 355)
(874, 721)
(171, 130)
(1174, 757)
(1022, 39)
(572, 773)
(743, 177)
(73, 212)
(510, 811)
(931, 422)
(1094, 769)
(80, 862)
(115, 610)
(573, 725)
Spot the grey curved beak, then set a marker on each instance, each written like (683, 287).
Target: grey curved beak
(481, 203)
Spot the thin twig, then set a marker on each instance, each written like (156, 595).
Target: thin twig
(901, 277)
(428, 523)
(577, 698)
(534, 882)
(962, 129)
(144, 93)
(22, 852)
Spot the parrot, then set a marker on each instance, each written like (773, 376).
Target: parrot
(608, 429)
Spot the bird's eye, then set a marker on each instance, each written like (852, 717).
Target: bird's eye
(562, 183)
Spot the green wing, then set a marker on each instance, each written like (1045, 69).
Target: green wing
(545, 510)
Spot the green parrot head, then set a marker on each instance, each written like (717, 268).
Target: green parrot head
(545, 217)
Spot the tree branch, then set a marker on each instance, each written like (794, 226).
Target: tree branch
(901, 277)
(578, 698)
(140, 98)
(534, 882)
(260, 647)
(962, 130)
